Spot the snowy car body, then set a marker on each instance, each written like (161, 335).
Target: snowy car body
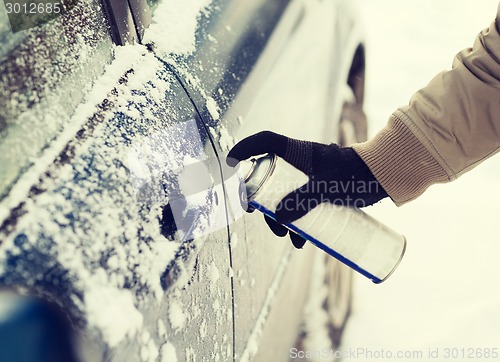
(95, 141)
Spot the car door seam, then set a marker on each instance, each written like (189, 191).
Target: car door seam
(212, 142)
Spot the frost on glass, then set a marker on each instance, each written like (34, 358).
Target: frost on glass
(45, 72)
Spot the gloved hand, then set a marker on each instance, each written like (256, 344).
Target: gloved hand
(336, 175)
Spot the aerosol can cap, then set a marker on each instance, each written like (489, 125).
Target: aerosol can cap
(256, 172)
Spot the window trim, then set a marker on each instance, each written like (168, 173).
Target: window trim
(127, 20)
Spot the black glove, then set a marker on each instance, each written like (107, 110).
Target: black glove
(336, 175)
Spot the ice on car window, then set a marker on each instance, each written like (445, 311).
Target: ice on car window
(45, 73)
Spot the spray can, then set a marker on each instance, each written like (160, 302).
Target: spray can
(348, 234)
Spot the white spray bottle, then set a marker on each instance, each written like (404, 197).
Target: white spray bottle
(348, 234)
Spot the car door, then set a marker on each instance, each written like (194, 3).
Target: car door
(100, 216)
(290, 84)
(250, 68)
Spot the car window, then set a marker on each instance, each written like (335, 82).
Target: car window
(229, 42)
(45, 73)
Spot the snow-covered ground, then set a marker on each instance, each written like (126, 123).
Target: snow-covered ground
(444, 298)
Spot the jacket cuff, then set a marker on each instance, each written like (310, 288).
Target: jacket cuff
(400, 162)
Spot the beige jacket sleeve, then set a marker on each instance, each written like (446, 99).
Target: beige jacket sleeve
(449, 127)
